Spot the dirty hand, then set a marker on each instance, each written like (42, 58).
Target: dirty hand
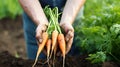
(69, 34)
(39, 30)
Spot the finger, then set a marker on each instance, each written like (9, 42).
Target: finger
(69, 35)
(39, 36)
(44, 28)
(69, 44)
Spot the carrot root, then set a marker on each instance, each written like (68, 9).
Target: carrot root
(54, 40)
(41, 46)
(48, 46)
(62, 45)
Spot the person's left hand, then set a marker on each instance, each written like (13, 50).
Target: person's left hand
(69, 34)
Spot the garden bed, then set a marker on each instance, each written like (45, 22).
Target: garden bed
(12, 43)
(7, 60)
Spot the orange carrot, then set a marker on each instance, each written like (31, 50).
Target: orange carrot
(55, 50)
(48, 46)
(54, 40)
(62, 45)
(41, 46)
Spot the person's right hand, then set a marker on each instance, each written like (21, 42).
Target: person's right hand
(39, 30)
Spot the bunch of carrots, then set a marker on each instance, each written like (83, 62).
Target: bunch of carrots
(53, 36)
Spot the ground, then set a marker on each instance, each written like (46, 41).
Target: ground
(10, 61)
(13, 52)
(11, 37)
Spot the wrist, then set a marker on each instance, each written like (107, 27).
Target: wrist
(65, 23)
(36, 21)
(67, 27)
(40, 22)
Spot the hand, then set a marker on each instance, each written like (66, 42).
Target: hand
(39, 30)
(69, 35)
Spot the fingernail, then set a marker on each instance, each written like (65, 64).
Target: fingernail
(40, 40)
(67, 39)
(71, 34)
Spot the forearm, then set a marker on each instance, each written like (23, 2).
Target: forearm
(70, 11)
(34, 11)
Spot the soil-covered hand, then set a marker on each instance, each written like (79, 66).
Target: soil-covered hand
(69, 35)
(39, 30)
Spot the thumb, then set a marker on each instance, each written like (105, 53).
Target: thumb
(69, 44)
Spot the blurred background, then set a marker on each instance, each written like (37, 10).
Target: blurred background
(98, 31)
(11, 32)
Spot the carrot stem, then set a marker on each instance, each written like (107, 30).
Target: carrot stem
(52, 18)
(57, 25)
(48, 26)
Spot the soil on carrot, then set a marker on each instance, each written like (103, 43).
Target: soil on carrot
(12, 46)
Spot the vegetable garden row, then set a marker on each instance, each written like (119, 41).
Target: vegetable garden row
(97, 33)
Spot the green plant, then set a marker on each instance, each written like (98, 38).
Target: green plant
(9, 8)
(97, 57)
(99, 31)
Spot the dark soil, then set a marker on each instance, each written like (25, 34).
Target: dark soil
(13, 52)
(11, 36)
(7, 60)
(10, 61)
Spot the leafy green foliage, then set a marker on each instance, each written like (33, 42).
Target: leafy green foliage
(99, 30)
(97, 57)
(9, 8)
(52, 15)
